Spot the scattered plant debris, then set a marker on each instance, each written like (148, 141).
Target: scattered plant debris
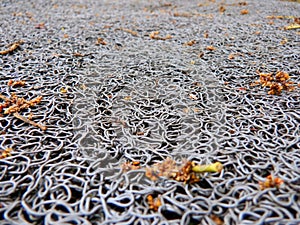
(205, 35)
(182, 14)
(217, 220)
(134, 33)
(5, 153)
(17, 83)
(14, 105)
(190, 43)
(188, 172)
(127, 166)
(40, 26)
(211, 48)
(155, 35)
(222, 9)
(12, 47)
(100, 41)
(292, 26)
(244, 12)
(154, 203)
(270, 182)
(276, 83)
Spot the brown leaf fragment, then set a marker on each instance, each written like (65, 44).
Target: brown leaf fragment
(155, 35)
(5, 153)
(211, 48)
(78, 54)
(182, 14)
(244, 11)
(190, 43)
(154, 203)
(40, 26)
(100, 41)
(217, 220)
(222, 9)
(12, 83)
(242, 3)
(205, 35)
(231, 56)
(12, 47)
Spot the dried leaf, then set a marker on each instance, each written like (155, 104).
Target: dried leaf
(190, 43)
(40, 26)
(12, 48)
(222, 9)
(100, 41)
(211, 48)
(244, 12)
(231, 56)
(217, 220)
(154, 35)
(15, 83)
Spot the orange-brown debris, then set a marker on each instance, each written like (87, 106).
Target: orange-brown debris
(100, 41)
(276, 83)
(5, 153)
(190, 43)
(155, 35)
(210, 48)
(127, 166)
(154, 203)
(14, 105)
(244, 12)
(270, 182)
(12, 47)
(217, 220)
(12, 83)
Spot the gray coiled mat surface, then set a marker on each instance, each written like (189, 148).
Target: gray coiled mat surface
(113, 94)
